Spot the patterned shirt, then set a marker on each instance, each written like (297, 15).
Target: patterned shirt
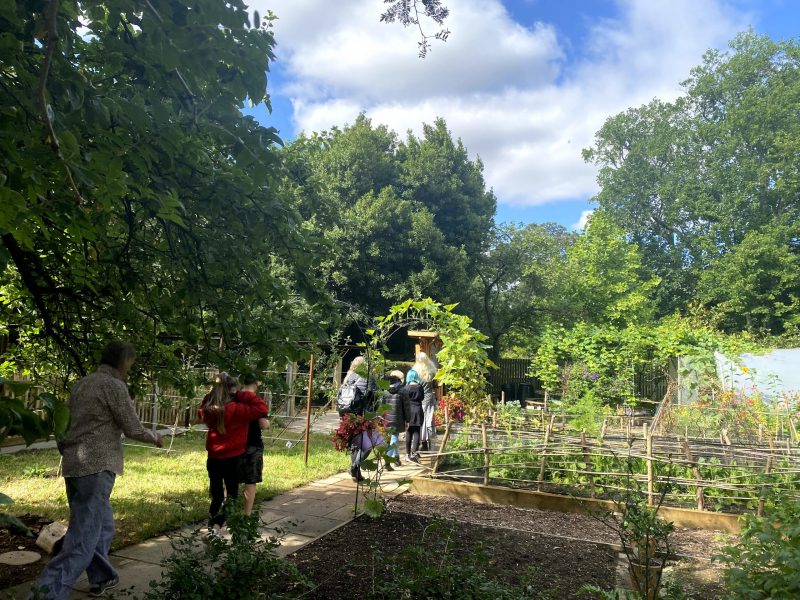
(101, 411)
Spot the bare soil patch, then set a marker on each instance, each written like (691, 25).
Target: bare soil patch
(343, 563)
(10, 540)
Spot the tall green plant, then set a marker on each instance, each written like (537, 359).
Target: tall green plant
(764, 561)
(463, 360)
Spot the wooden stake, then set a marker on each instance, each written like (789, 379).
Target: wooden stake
(485, 455)
(308, 405)
(701, 502)
(603, 430)
(648, 440)
(544, 451)
(587, 458)
(765, 486)
(442, 445)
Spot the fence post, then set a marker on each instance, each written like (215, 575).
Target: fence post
(648, 441)
(291, 369)
(603, 430)
(337, 373)
(308, 406)
(485, 455)
(154, 410)
(701, 501)
(442, 445)
(543, 462)
(765, 485)
(587, 458)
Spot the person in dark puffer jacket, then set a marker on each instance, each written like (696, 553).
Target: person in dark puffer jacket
(396, 417)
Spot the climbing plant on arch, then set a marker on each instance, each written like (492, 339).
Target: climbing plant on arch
(463, 360)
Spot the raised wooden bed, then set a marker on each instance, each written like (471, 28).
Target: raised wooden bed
(490, 494)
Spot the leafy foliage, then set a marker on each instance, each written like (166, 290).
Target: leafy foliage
(463, 360)
(245, 568)
(399, 218)
(707, 186)
(137, 200)
(407, 12)
(763, 563)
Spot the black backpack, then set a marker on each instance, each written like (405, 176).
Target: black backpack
(349, 398)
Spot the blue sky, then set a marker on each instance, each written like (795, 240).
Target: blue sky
(524, 83)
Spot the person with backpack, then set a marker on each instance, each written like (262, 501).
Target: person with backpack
(226, 440)
(355, 396)
(396, 417)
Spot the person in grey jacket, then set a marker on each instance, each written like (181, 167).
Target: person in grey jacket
(101, 411)
(357, 375)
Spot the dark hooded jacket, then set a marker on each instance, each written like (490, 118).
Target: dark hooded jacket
(395, 418)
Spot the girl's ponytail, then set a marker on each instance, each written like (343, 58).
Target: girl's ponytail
(222, 393)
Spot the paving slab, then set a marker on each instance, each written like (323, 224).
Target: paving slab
(292, 542)
(152, 551)
(270, 515)
(309, 526)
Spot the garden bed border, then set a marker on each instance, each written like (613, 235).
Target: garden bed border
(490, 494)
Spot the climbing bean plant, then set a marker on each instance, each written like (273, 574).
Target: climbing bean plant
(601, 359)
(463, 360)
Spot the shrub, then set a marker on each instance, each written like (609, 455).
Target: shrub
(245, 568)
(765, 563)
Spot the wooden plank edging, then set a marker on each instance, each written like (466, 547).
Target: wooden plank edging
(490, 494)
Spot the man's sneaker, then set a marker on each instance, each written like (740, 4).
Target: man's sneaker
(98, 589)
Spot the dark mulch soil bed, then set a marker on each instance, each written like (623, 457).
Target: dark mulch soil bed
(702, 579)
(11, 540)
(342, 563)
(691, 542)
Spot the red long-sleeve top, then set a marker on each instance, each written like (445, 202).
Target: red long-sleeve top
(237, 418)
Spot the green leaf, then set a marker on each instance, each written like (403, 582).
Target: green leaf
(373, 508)
(6, 499)
(7, 520)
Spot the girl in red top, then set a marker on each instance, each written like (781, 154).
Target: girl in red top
(227, 423)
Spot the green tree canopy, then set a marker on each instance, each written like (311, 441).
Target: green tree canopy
(136, 200)
(689, 180)
(513, 294)
(399, 218)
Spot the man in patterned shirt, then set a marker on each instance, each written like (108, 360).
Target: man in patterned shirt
(101, 411)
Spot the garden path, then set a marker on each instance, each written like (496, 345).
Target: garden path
(301, 515)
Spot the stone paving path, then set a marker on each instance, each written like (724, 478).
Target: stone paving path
(301, 515)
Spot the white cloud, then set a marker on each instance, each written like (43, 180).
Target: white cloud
(505, 89)
(583, 220)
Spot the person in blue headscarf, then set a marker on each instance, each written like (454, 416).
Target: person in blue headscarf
(414, 414)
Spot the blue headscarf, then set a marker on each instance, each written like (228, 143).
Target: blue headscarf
(412, 377)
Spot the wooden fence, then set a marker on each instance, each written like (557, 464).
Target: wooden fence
(547, 454)
(512, 371)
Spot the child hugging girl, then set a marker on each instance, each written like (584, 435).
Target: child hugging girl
(226, 441)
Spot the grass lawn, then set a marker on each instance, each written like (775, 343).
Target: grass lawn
(159, 491)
